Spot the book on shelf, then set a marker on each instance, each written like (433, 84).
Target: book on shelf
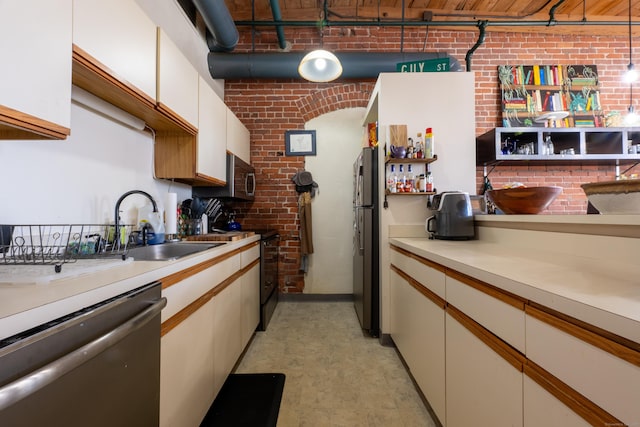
(530, 90)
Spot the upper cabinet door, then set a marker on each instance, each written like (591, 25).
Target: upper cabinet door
(177, 92)
(212, 134)
(35, 79)
(238, 138)
(118, 34)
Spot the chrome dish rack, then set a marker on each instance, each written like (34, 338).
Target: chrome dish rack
(57, 244)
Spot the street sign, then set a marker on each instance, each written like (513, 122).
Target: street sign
(428, 65)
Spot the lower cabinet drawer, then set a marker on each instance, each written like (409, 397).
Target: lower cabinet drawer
(541, 408)
(606, 379)
(483, 388)
(498, 312)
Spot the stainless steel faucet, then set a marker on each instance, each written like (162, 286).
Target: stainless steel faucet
(116, 240)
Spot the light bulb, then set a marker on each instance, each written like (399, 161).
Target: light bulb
(631, 75)
(321, 64)
(631, 118)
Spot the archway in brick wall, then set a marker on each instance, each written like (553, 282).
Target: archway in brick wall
(268, 109)
(334, 98)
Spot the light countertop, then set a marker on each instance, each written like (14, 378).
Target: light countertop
(24, 305)
(604, 294)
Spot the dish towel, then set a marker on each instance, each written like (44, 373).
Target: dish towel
(306, 233)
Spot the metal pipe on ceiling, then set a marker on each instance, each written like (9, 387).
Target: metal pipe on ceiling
(277, 65)
(223, 34)
(470, 23)
(277, 17)
(481, 25)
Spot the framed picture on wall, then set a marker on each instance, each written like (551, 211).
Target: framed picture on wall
(300, 142)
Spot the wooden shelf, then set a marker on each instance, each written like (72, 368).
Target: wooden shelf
(417, 193)
(601, 145)
(393, 160)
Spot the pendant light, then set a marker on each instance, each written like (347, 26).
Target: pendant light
(320, 66)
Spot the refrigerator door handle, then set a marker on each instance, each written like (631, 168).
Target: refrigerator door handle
(356, 226)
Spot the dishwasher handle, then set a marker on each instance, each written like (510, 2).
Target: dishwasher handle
(23, 387)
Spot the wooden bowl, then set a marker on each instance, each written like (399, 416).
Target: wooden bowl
(614, 197)
(524, 200)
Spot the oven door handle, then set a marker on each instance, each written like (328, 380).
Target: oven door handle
(23, 387)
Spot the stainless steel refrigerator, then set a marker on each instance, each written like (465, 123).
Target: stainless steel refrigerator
(366, 277)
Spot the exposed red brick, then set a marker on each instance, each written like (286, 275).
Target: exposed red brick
(270, 107)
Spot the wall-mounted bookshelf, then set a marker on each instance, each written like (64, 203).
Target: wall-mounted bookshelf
(550, 96)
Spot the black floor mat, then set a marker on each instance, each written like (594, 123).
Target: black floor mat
(251, 400)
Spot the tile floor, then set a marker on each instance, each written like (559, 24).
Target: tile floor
(335, 376)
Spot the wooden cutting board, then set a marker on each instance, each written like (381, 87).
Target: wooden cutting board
(229, 236)
(398, 135)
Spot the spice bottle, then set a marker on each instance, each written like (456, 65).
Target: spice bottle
(422, 183)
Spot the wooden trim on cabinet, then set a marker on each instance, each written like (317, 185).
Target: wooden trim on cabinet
(437, 300)
(188, 127)
(589, 327)
(206, 180)
(186, 312)
(91, 75)
(493, 291)
(508, 353)
(15, 124)
(174, 278)
(585, 408)
(418, 258)
(621, 351)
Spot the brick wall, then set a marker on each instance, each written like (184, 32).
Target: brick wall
(270, 107)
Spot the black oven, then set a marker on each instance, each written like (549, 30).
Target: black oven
(269, 254)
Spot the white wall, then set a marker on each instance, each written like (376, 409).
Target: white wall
(338, 142)
(80, 179)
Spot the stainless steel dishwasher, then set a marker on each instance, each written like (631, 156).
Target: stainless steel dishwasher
(99, 366)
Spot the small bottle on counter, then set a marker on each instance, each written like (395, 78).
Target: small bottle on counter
(392, 181)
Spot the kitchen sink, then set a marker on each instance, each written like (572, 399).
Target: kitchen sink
(168, 251)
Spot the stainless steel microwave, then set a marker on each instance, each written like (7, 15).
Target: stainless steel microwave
(241, 182)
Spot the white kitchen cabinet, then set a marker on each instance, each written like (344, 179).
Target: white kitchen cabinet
(498, 312)
(35, 80)
(250, 264)
(187, 369)
(250, 303)
(227, 318)
(177, 83)
(211, 160)
(238, 137)
(595, 367)
(205, 327)
(119, 35)
(483, 388)
(417, 326)
(541, 408)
